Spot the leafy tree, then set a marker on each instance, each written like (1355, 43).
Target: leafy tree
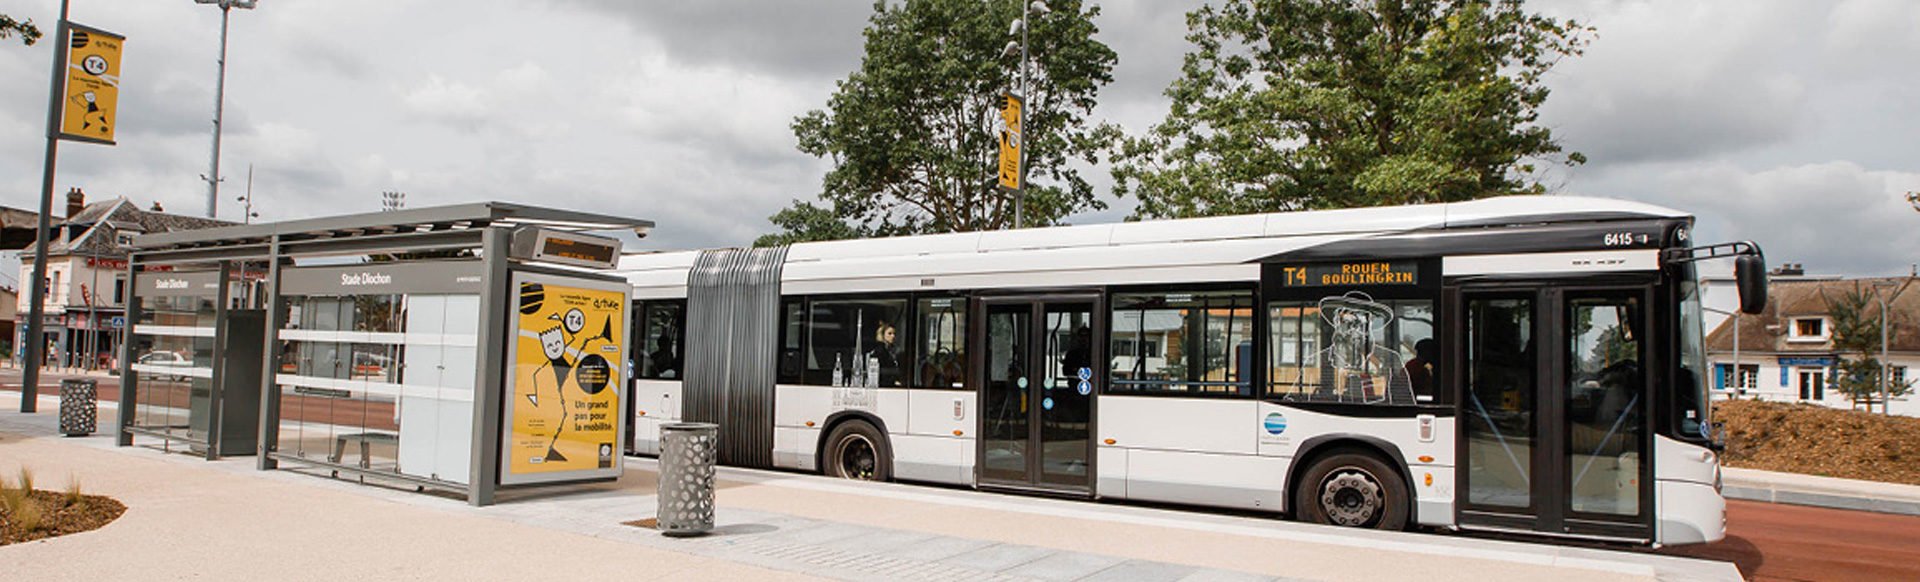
(1857, 337)
(1301, 104)
(25, 28)
(911, 132)
(804, 222)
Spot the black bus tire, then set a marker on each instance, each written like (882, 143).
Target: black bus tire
(1352, 489)
(856, 450)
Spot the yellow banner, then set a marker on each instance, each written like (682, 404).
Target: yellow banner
(563, 395)
(1009, 130)
(93, 85)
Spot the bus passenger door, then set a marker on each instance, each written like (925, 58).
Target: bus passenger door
(1554, 402)
(1036, 393)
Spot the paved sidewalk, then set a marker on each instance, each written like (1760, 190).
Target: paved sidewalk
(191, 518)
(1797, 489)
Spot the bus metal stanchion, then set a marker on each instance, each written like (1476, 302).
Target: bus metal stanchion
(687, 457)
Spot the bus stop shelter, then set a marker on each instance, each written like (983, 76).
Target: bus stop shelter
(461, 348)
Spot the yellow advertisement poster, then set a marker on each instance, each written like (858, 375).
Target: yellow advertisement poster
(1009, 134)
(93, 85)
(563, 404)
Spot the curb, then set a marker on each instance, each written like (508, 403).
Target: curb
(1828, 500)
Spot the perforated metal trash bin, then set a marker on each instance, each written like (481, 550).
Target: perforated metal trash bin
(78, 406)
(686, 477)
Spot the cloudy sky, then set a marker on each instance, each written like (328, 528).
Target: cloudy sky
(1796, 124)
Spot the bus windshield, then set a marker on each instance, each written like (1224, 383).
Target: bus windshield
(1690, 387)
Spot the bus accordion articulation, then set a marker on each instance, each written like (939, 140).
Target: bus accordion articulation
(1522, 364)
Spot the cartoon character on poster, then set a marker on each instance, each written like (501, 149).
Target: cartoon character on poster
(566, 421)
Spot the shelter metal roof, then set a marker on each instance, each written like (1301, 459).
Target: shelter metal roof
(436, 218)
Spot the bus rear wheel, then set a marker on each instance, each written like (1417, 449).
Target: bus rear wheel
(1352, 489)
(857, 450)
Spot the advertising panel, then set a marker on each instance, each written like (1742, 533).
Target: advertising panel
(566, 354)
(1009, 137)
(93, 86)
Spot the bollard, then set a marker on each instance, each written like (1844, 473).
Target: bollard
(686, 478)
(78, 406)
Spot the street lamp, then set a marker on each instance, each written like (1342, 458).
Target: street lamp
(1739, 386)
(248, 199)
(219, 100)
(1027, 10)
(1886, 396)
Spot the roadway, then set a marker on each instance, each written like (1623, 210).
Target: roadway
(1770, 541)
(1765, 541)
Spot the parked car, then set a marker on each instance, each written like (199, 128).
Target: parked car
(166, 359)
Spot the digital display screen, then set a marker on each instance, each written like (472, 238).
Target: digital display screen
(578, 250)
(1351, 274)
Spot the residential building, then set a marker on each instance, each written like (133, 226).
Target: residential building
(86, 283)
(1786, 352)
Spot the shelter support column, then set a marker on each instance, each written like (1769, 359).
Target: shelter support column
(490, 382)
(129, 398)
(270, 364)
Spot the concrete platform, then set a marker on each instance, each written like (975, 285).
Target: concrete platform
(189, 518)
(1796, 489)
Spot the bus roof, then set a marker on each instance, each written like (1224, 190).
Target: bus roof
(1505, 210)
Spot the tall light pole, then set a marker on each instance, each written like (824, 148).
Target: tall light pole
(1886, 396)
(247, 199)
(37, 296)
(1739, 386)
(1027, 9)
(220, 100)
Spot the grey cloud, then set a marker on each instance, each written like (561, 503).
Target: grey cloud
(1836, 217)
(1151, 41)
(785, 38)
(1663, 82)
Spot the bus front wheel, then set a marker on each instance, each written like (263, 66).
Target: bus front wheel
(857, 450)
(1354, 490)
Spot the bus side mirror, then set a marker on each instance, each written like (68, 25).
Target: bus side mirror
(1750, 275)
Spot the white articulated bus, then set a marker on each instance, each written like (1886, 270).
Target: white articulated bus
(1523, 364)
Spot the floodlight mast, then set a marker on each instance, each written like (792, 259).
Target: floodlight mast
(219, 100)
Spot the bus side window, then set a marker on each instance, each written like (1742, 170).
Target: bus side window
(1196, 343)
(793, 329)
(1350, 348)
(663, 340)
(942, 342)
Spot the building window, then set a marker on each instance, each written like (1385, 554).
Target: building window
(1747, 379)
(1898, 376)
(1198, 343)
(1813, 384)
(1809, 328)
(124, 239)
